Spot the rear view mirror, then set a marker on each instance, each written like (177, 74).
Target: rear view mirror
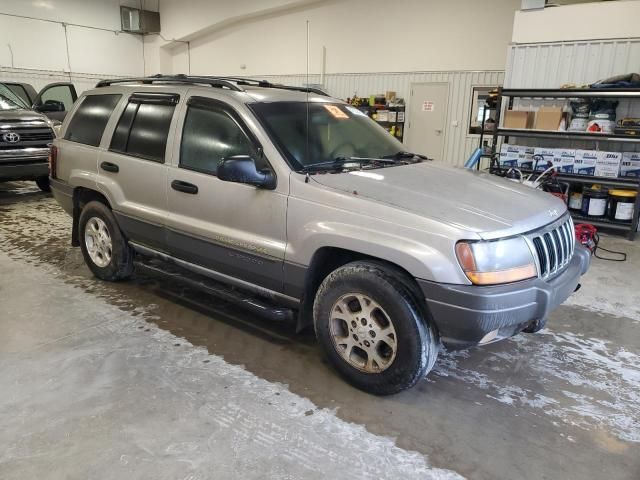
(242, 169)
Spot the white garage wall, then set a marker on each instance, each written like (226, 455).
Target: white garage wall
(35, 46)
(359, 35)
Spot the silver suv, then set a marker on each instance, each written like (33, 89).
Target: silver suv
(306, 206)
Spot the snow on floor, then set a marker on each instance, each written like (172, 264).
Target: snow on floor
(200, 414)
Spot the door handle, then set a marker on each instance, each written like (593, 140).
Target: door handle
(185, 187)
(109, 167)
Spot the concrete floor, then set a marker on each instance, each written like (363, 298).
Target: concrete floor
(148, 379)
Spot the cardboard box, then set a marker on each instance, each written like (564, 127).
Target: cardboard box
(509, 155)
(516, 119)
(548, 118)
(630, 164)
(390, 95)
(543, 158)
(608, 164)
(564, 160)
(516, 156)
(585, 162)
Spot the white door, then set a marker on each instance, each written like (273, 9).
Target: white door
(427, 119)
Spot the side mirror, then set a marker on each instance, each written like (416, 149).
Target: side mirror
(242, 169)
(49, 106)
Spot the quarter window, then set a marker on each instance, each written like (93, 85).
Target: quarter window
(211, 134)
(88, 122)
(143, 128)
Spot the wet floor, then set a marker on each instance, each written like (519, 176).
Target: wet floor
(564, 403)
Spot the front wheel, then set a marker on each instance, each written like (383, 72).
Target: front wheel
(371, 329)
(104, 248)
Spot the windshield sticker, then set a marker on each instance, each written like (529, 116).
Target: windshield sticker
(335, 111)
(356, 111)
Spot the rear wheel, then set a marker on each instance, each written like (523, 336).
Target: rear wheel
(371, 329)
(43, 184)
(105, 250)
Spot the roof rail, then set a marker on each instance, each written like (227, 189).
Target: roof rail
(232, 83)
(180, 78)
(268, 84)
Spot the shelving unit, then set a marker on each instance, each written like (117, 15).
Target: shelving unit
(627, 183)
(398, 125)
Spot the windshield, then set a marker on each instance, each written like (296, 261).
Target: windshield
(335, 131)
(9, 100)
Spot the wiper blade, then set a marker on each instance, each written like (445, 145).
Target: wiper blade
(403, 155)
(342, 162)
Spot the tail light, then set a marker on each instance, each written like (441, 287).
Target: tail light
(53, 161)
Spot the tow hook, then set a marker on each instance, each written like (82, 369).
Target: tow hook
(577, 287)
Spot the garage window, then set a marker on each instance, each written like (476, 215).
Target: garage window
(143, 128)
(212, 133)
(90, 119)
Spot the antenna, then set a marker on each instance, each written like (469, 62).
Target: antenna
(307, 126)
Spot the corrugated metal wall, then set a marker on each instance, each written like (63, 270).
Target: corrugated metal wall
(549, 65)
(458, 143)
(40, 78)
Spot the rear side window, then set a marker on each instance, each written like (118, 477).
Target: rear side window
(88, 122)
(143, 128)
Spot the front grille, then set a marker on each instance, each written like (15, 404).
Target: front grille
(554, 248)
(29, 137)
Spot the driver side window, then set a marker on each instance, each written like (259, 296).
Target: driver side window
(210, 134)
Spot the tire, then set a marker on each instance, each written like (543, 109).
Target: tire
(535, 326)
(98, 223)
(373, 367)
(43, 184)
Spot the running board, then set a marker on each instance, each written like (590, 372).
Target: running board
(244, 300)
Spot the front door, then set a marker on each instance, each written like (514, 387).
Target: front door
(427, 117)
(55, 100)
(232, 228)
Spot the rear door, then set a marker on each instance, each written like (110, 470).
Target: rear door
(133, 170)
(55, 100)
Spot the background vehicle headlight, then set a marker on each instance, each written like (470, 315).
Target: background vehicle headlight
(500, 261)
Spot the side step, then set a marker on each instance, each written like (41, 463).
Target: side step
(243, 299)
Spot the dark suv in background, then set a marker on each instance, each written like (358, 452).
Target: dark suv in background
(27, 119)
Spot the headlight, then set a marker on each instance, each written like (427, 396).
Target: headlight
(501, 261)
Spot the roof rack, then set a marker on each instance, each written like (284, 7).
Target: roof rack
(232, 83)
(180, 78)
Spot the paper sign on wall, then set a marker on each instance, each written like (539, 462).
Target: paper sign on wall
(427, 106)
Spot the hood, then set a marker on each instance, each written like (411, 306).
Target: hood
(487, 205)
(22, 116)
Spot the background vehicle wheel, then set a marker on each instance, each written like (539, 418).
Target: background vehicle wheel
(372, 330)
(43, 184)
(535, 326)
(105, 250)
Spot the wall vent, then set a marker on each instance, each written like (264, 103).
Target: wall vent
(134, 20)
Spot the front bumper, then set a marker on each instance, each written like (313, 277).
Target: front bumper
(465, 314)
(24, 163)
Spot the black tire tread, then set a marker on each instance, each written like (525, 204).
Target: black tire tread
(121, 266)
(430, 343)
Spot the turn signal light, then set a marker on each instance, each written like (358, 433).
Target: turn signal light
(502, 276)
